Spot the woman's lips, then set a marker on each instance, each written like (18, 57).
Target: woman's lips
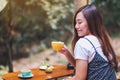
(79, 31)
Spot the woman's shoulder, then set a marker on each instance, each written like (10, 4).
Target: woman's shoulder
(83, 42)
(92, 38)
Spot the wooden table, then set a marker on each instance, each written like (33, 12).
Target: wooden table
(59, 71)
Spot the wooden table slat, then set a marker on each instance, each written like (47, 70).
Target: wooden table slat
(59, 71)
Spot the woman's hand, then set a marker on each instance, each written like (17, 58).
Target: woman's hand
(64, 50)
(68, 55)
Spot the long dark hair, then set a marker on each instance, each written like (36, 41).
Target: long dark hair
(97, 28)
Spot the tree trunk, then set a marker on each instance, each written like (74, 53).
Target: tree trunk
(10, 38)
(80, 3)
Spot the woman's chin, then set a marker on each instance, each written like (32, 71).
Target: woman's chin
(80, 35)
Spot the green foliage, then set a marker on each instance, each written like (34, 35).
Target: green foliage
(3, 70)
(40, 18)
(110, 10)
(41, 21)
(36, 22)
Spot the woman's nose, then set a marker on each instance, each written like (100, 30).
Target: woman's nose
(76, 26)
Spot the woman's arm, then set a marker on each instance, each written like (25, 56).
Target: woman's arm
(68, 55)
(80, 65)
(81, 70)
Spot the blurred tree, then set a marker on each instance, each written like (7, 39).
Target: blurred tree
(35, 21)
(41, 21)
(110, 10)
(80, 3)
(41, 17)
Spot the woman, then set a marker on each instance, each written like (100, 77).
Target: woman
(94, 57)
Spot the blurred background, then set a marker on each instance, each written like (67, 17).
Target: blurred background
(27, 28)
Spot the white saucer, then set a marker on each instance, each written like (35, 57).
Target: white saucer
(43, 67)
(21, 76)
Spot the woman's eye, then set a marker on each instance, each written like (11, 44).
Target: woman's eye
(79, 22)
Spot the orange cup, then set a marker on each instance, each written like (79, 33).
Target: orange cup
(57, 45)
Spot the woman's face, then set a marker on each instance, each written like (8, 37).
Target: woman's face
(81, 25)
